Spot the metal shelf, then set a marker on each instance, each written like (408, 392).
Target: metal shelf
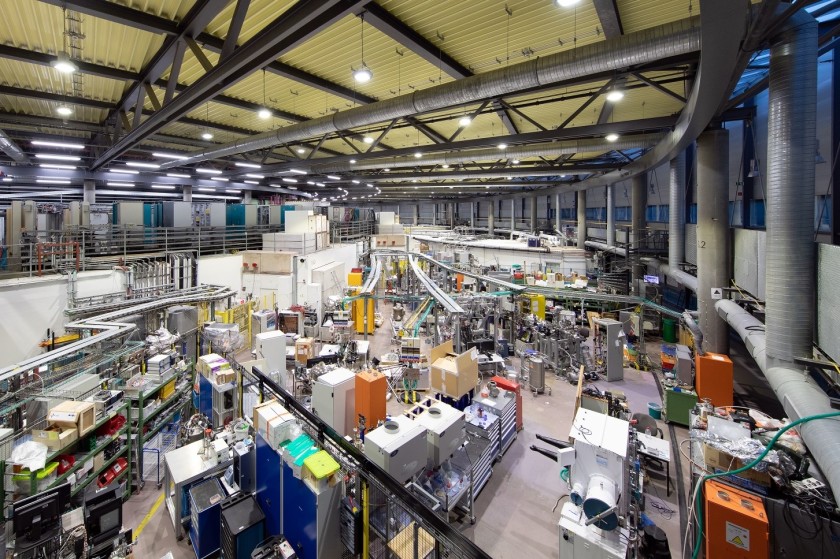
(99, 448)
(96, 426)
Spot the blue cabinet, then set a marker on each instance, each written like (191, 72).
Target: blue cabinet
(270, 486)
(205, 397)
(205, 517)
(311, 519)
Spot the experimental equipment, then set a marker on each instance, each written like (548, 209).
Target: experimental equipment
(224, 404)
(311, 516)
(269, 485)
(736, 523)
(334, 400)
(271, 346)
(594, 522)
(611, 334)
(714, 378)
(445, 432)
(242, 526)
(371, 391)
(398, 446)
(262, 321)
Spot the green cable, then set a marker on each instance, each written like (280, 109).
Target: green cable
(770, 445)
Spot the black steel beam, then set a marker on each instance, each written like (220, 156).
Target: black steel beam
(658, 87)
(117, 13)
(835, 145)
(303, 20)
(505, 117)
(608, 16)
(56, 97)
(32, 57)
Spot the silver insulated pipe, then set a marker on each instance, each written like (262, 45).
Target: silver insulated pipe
(664, 41)
(10, 148)
(676, 219)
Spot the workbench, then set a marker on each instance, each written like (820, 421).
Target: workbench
(184, 467)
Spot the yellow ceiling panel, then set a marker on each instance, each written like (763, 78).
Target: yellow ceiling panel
(641, 14)
(37, 26)
(260, 13)
(170, 9)
(39, 107)
(44, 78)
(483, 37)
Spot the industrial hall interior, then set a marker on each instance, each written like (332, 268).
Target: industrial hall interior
(419, 279)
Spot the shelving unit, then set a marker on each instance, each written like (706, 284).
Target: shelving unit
(504, 406)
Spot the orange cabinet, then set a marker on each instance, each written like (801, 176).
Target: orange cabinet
(736, 523)
(371, 388)
(713, 378)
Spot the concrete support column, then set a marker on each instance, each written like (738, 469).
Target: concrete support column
(533, 214)
(434, 214)
(610, 215)
(491, 218)
(451, 214)
(557, 213)
(89, 194)
(416, 214)
(676, 212)
(581, 219)
(712, 234)
(638, 208)
(472, 214)
(512, 217)
(247, 197)
(186, 190)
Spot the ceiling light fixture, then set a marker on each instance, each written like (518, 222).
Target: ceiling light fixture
(207, 136)
(233, 191)
(125, 171)
(142, 165)
(611, 137)
(208, 171)
(363, 74)
(163, 187)
(354, 181)
(386, 170)
(223, 179)
(65, 145)
(207, 190)
(178, 175)
(369, 185)
(254, 176)
(64, 110)
(52, 181)
(300, 150)
(319, 184)
(251, 182)
(502, 146)
(248, 165)
(57, 157)
(464, 121)
(445, 165)
(63, 64)
(418, 155)
(334, 177)
(352, 161)
(297, 171)
(367, 140)
(122, 184)
(56, 166)
(567, 3)
(515, 162)
(168, 155)
(614, 95)
(287, 179)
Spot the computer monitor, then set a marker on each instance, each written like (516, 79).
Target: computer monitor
(34, 518)
(103, 513)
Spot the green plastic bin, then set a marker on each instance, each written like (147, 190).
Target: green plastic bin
(669, 330)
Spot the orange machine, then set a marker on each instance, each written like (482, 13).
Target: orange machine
(371, 388)
(736, 523)
(516, 388)
(713, 378)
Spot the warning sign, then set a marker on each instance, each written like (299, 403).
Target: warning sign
(717, 293)
(738, 536)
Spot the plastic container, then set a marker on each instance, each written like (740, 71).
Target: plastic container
(44, 478)
(669, 330)
(655, 410)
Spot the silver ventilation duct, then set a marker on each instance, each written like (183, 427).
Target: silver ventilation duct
(676, 219)
(10, 148)
(664, 41)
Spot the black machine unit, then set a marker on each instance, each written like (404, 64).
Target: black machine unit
(243, 526)
(36, 520)
(103, 513)
(795, 532)
(351, 526)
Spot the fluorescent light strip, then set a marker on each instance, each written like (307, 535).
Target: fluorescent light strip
(248, 165)
(287, 179)
(354, 181)
(178, 175)
(297, 171)
(252, 182)
(124, 184)
(142, 165)
(207, 190)
(52, 181)
(51, 144)
(233, 191)
(56, 166)
(163, 187)
(168, 155)
(222, 179)
(125, 171)
(254, 176)
(57, 157)
(208, 171)
(333, 177)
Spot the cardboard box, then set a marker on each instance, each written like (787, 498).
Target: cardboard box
(279, 428)
(98, 461)
(451, 374)
(55, 436)
(74, 415)
(304, 349)
(721, 461)
(264, 413)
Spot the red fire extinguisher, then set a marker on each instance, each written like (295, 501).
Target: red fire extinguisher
(111, 473)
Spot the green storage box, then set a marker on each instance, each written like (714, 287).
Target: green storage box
(678, 406)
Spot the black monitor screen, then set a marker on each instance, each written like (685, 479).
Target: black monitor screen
(40, 512)
(110, 520)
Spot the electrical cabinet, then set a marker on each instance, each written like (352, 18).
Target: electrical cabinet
(270, 485)
(714, 378)
(262, 321)
(334, 400)
(224, 404)
(398, 446)
(371, 391)
(271, 346)
(736, 523)
(311, 518)
(205, 506)
(612, 340)
(127, 213)
(242, 526)
(678, 406)
(445, 430)
(177, 214)
(242, 214)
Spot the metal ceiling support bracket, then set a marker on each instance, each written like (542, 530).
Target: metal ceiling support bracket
(199, 54)
(234, 28)
(608, 16)
(303, 20)
(586, 104)
(658, 87)
(175, 71)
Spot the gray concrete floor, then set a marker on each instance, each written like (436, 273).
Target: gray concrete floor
(517, 511)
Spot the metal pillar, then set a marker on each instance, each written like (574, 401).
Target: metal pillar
(610, 215)
(491, 218)
(512, 217)
(416, 214)
(472, 214)
(557, 213)
(533, 214)
(434, 214)
(246, 197)
(712, 234)
(638, 209)
(187, 191)
(581, 219)
(451, 210)
(676, 220)
(89, 191)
